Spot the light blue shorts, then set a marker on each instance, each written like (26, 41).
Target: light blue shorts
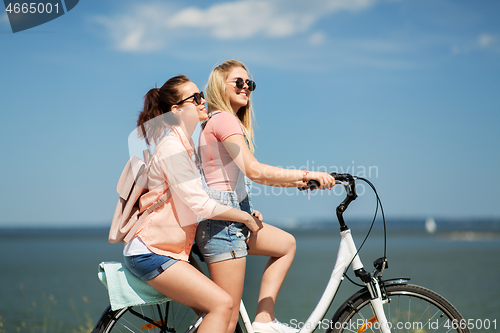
(223, 240)
(148, 266)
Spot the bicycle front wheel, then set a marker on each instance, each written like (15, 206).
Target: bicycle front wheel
(169, 317)
(410, 309)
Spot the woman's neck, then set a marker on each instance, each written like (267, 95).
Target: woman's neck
(187, 129)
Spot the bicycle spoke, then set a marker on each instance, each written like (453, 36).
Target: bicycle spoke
(410, 309)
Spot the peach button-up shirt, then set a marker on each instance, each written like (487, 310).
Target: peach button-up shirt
(170, 229)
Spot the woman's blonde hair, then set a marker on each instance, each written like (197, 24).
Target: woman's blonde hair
(218, 100)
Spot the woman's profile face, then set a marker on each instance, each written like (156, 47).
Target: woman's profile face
(192, 110)
(237, 97)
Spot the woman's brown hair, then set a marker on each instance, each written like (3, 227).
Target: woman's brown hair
(157, 104)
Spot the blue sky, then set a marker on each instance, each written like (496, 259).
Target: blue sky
(404, 92)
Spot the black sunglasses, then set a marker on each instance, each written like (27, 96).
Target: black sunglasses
(240, 84)
(197, 97)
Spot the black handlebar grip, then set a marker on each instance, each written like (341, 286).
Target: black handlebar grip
(311, 185)
(343, 177)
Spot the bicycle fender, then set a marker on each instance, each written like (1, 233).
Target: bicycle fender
(363, 291)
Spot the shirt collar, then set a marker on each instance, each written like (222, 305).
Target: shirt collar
(176, 130)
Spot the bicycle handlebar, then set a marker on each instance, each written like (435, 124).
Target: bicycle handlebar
(340, 178)
(349, 183)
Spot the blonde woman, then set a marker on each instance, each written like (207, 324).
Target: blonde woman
(229, 167)
(158, 252)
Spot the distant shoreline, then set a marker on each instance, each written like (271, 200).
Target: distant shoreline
(443, 225)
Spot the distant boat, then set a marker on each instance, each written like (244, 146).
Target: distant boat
(430, 225)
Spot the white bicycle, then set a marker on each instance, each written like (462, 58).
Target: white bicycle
(380, 306)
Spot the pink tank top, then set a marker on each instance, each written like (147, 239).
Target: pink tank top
(221, 172)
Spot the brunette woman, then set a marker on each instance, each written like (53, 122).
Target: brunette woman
(159, 251)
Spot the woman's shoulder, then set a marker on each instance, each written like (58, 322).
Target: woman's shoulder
(225, 119)
(222, 125)
(223, 115)
(169, 137)
(169, 145)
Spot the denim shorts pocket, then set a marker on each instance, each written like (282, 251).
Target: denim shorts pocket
(203, 233)
(242, 231)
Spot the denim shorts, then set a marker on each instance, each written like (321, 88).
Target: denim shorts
(223, 240)
(148, 266)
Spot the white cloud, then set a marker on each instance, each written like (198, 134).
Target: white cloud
(152, 25)
(317, 38)
(139, 28)
(487, 40)
(455, 49)
(4, 18)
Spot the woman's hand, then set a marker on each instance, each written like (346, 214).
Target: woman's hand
(325, 180)
(258, 215)
(253, 223)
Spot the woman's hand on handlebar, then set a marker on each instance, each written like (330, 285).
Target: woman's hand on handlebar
(325, 180)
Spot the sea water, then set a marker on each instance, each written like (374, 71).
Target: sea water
(48, 280)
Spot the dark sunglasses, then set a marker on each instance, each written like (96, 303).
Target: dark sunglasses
(197, 97)
(240, 84)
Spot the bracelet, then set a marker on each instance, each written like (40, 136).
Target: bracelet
(304, 176)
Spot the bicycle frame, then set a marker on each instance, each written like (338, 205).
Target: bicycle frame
(347, 254)
(365, 305)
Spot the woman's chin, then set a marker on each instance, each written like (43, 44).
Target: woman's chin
(202, 116)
